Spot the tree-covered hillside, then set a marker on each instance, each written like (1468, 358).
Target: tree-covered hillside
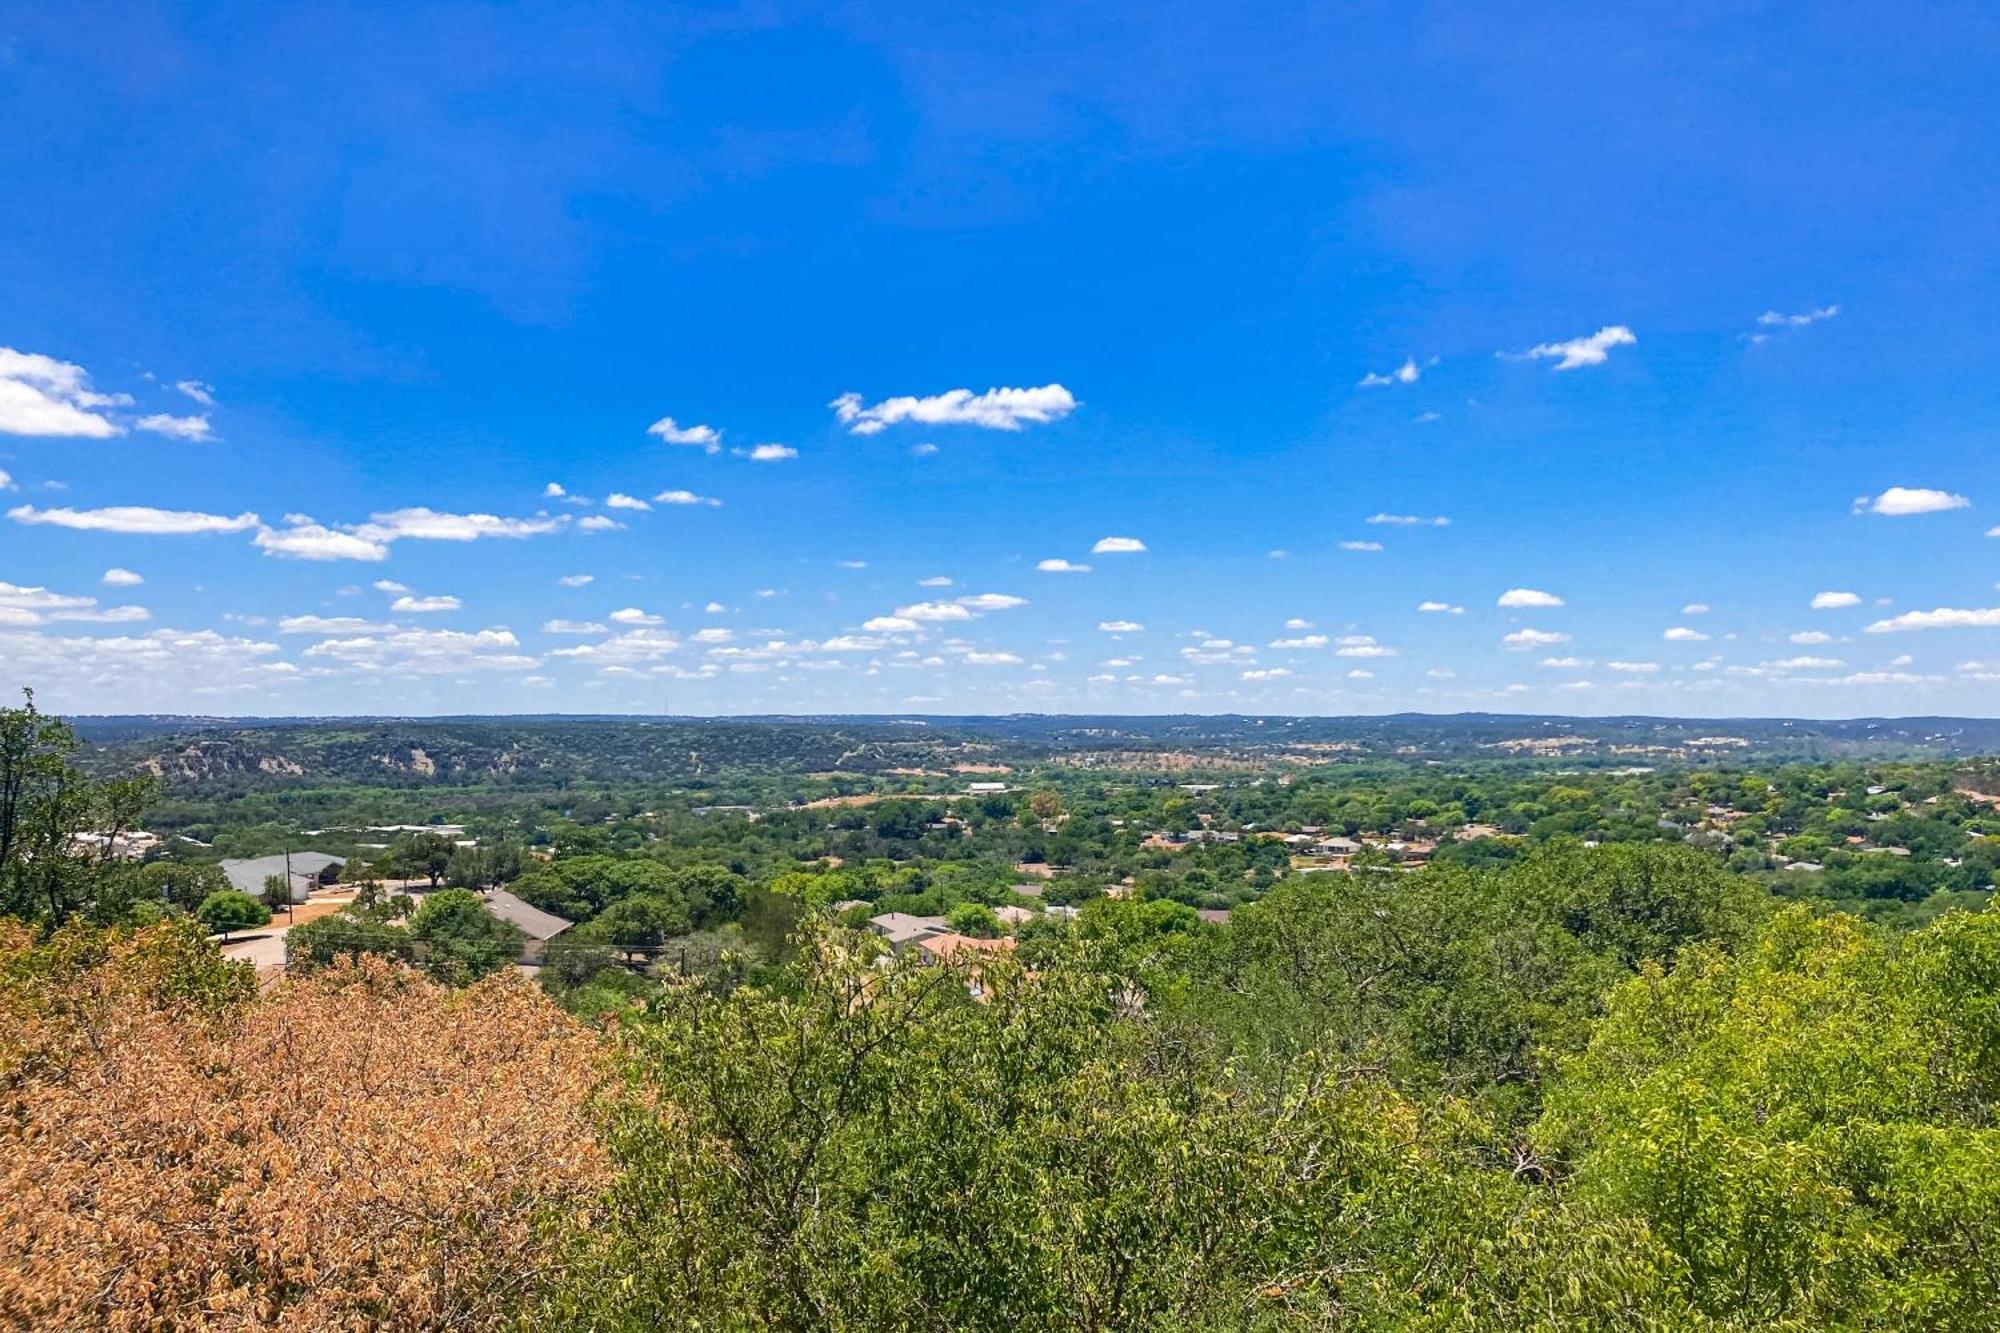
(1377, 1044)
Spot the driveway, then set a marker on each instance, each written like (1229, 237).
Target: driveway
(262, 948)
(265, 946)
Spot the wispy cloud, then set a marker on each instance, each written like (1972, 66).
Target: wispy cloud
(1777, 319)
(193, 429)
(1407, 373)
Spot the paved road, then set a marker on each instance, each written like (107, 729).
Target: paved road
(264, 948)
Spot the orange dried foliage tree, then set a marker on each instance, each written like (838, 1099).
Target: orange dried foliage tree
(357, 1149)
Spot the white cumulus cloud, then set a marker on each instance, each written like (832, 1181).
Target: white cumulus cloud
(996, 409)
(933, 611)
(706, 438)
(1057, 565)
(993, 601)
(1834, 601)
(43, 397)
(134, 519)
(1590, 350)
(1523, 640)
(1117, 546)
(1944, 617)
(421, 524)
(306, 540)
(422, 605)
(1903, 501)
(1522, 597)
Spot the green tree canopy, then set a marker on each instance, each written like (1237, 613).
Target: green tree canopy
(231, 911)
(462, 941)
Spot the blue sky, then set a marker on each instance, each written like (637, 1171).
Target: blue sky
(1677, 306)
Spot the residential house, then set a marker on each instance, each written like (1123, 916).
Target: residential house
(541, 927)
(903, 928)
(304, 871)
(949, 947)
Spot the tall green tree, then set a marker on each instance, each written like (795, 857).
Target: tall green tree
(460, 940)
(48, 872)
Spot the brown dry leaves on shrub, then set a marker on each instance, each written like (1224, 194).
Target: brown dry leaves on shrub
(358, 1149)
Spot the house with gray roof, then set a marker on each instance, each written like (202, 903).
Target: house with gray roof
(306, 870)
(901, 928)
(539, 926)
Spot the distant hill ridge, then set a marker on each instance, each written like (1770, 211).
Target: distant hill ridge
(553, 749)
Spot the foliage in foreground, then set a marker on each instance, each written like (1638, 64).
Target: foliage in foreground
(360, 1149)
(1586, 1092)
(1799, 1139)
